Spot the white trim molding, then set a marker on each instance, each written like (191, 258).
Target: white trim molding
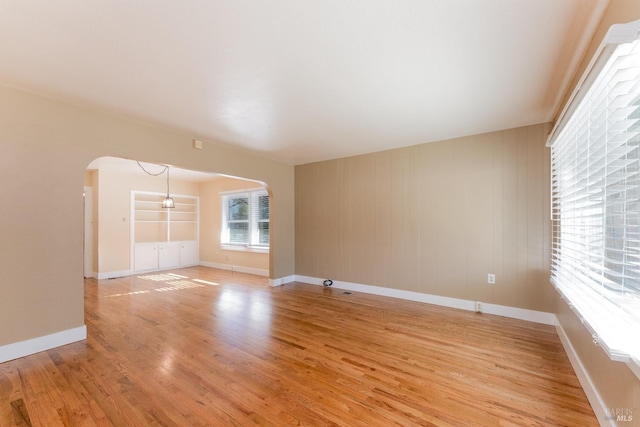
(114, 274)
(520, 313)
(462, 304)
(282, 280)
(234, 268)
(47, 342)
(585, 380)
(245, 248)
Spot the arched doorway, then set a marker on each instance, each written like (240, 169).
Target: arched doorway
(128, 224)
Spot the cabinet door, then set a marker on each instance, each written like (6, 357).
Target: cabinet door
(189, 253)
(169, 255)
(145, 257)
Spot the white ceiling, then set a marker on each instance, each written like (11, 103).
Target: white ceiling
(303, 81)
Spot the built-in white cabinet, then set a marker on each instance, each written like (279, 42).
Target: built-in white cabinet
(189, 253)
(145, 256)
(169, 255)
(164, 238)
(162, 256)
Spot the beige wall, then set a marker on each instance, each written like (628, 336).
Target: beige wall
(434, 218)
(211, 221)
(45, 147)
(95, 186)
(616, 384)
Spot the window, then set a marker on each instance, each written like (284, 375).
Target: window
(595, 155)
(245, 219)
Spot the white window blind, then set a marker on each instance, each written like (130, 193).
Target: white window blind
(260, 217)
(245, 219)
(596, 205)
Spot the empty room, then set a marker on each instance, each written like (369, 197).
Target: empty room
(320, 213)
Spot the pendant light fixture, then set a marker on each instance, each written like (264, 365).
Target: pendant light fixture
(168, 201)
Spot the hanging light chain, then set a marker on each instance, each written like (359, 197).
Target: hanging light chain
(167, 169)
(154, 174)
(168, 201)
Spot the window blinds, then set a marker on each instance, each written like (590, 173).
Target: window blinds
(596, 205)
(260, 218)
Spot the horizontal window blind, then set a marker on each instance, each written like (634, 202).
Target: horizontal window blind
(260, 218)
(596, 205)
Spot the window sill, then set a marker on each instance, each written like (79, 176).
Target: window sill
(241, 248)
(596, 310)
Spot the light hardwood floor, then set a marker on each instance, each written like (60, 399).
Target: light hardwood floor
(201, 346)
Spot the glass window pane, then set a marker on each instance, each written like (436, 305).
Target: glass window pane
(238, 208)
(239, 232)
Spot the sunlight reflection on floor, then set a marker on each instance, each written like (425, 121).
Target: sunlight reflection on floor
(174, 281)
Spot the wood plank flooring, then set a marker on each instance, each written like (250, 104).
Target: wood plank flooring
(200, 346)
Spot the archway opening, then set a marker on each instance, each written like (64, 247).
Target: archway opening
(209, 225)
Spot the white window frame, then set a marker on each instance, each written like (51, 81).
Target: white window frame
(588, 177)
(253, 220)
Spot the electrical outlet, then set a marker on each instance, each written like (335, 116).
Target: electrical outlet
(491, 279)
(478, 307)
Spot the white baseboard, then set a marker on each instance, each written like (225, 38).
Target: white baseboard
(47, 342)
(282, 280)
(238, 268)
(520, 313)
(585, 380)
(462, 304)
(114, 274)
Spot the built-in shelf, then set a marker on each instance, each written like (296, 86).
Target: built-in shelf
(163, 238)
